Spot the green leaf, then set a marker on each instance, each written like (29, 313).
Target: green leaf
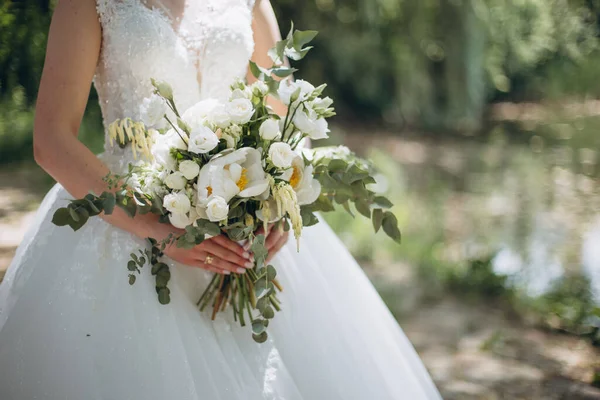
(337, 165)
(163, 276)
(83, 216)
(132, 266)
(277, 52)
(260, 338)
(131, 279)
(260, 288)
(164, 296)
(61, 217)
(308, 218)
(390, 226)
(157, 267)
(283, 72)
(363, 208)
(268, 312)
(302, 38)
(256, 70)
(258, 327)
(347, 208)
(377, 219)
(208, 228)
(108, 202)
(271, 272)
(262, 303)
(382, 202)
(73, 215)
(259, 250)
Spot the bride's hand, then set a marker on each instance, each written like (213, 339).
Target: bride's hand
(276, 238)
(218, 254)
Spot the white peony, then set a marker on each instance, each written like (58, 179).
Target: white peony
(281, 155)
(202, 140)
(269, 130)
(180, 220)
(189, 169)
(176, 181)
(177, 202)
(301, 178)
(240, 110)
(153, 110)
(217, 209)
(238, 173)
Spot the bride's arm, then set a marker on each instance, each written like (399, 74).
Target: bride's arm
(266, 35)
(73, 50)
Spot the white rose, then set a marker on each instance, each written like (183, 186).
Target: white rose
(153, 110)
(199, 112)
(217, 209)
(240, 110)
(269, 130)
(219, 116)
(246, 93)
(180, 220)
(176, 181)
(189, 169)
(281, 155)
(321, 104)
(259, 89)
(177, 202)
(202, 140)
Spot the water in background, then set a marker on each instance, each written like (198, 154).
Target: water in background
(525, 195)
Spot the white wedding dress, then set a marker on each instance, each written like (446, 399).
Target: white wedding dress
(71, 327)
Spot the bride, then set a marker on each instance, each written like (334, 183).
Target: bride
(71, 327)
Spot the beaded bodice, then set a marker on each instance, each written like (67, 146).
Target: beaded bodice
(199, 50)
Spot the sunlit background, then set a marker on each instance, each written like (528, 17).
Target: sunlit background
(483, 117)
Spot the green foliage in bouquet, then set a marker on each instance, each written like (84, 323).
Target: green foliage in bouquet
(230, 168)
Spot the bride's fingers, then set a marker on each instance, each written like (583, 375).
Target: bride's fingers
(216, 261)
(274, 237)
(280, 243)
(226, 254)
(229, 244)
(210, 268)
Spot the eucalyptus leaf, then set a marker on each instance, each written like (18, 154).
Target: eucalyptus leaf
(258, 327)
(61, 217)
(260, 338)
(262, 303)
(271, 272)
(268, 312)
(73, 214)
(108, 202)
(261, 289)
(347, 208)
(164, 296)
(131, 266)
(283, 72)
(132, 279)
(208, 228)
(259, 250)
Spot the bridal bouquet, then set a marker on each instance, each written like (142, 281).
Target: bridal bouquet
(228, 168)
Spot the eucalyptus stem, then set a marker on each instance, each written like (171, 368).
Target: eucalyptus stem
(209, 295)
(241, 300)
(275, 302)
(218, 298)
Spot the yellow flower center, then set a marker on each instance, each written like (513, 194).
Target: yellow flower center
(296, 176)
(209, 190)
(243, 181)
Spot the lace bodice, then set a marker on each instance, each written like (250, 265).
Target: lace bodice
(199, 51)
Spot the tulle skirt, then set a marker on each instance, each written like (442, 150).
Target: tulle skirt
(71, 327)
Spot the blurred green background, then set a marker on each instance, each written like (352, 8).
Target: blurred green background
(482, 115)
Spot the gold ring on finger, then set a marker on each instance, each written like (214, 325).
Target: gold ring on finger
(208, 260)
